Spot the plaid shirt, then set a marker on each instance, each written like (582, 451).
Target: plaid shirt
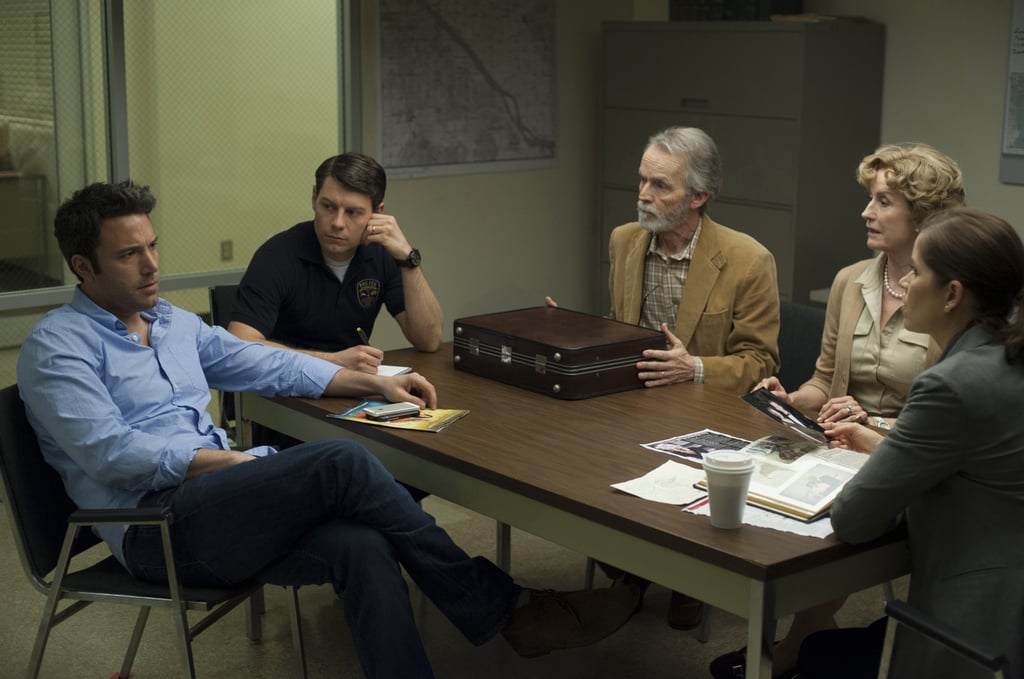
(664, 280)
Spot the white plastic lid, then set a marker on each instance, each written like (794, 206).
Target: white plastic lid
(728, 459)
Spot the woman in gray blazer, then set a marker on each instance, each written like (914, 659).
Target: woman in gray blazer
(953, 467)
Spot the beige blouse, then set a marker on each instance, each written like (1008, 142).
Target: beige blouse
(874, 366)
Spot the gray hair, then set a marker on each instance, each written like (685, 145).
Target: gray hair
(704, 166)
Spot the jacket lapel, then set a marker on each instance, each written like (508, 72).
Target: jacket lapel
(705, 267)
(634, 289)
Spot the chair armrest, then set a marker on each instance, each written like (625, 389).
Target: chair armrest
(133, 515)
(925, 624)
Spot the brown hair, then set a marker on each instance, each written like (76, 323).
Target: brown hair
(77, 223)
(986, 255)
(928, 178)
(356, 172)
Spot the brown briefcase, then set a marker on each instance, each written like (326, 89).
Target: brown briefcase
(562, 353)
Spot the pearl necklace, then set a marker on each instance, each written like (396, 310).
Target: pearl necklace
(885, 281)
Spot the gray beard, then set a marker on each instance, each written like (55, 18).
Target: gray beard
(653, 221)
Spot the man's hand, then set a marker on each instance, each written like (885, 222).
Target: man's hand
(852, 436)
(362, 358)
(411, 387)
(208, 460)
(675, 364)
(384, 229)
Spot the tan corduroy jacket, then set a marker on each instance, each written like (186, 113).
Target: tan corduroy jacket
(729, 312)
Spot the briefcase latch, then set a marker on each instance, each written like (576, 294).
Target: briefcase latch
(506, 354)
(540, 364)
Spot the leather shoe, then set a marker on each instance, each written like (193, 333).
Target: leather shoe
(551, 621)
(733, 665)
(684, 612)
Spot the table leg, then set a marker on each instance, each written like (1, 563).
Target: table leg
(760, 630)
(503, 546)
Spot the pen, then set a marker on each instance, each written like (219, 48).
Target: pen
(362, 336)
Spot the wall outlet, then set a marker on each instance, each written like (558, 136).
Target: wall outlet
(226, 250)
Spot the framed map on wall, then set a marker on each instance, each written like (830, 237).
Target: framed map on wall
(466, 86)
(1011, 161)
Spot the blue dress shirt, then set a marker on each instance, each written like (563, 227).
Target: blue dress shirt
(119, 419)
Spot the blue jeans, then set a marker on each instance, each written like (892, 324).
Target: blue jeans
(328, 512)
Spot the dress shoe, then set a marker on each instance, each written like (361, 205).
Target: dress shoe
(551, 621)
(684, 612)
(733, 665)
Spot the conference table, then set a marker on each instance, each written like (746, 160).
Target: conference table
(545, 466)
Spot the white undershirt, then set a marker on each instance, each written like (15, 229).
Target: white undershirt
(339, 268)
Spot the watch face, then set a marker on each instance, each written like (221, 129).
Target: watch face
(414, 258)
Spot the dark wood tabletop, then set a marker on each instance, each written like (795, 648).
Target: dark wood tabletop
(565, 454)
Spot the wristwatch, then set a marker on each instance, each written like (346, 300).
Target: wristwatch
(412, 261)
(881, 423)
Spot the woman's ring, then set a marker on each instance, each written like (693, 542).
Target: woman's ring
(849, 410)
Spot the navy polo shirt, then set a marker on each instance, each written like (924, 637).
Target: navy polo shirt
(292, 297)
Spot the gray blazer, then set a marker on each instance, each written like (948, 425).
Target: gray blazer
(955, 464)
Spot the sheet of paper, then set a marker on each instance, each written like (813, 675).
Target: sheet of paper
(392, 370)
(755, 516)
(671, 483)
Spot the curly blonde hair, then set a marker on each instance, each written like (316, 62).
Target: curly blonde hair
(928, 178)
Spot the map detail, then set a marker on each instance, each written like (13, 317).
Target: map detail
(464, 83)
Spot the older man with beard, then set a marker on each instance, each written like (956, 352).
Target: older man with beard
(715, 287)
(710, 289)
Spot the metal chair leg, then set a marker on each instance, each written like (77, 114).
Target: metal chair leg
(133, 643)
(255, 607)
(297, 638)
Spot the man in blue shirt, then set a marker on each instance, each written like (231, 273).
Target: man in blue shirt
(318, 286)
(116, 385)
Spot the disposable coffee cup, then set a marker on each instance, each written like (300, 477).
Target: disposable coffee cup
(728, 477)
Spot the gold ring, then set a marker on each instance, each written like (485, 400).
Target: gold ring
(373, 231)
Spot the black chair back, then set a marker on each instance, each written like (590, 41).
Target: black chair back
(800, 328)
(222, 301)
(34, 493)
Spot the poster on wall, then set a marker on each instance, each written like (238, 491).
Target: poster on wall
(1013, 134)
(466, 86)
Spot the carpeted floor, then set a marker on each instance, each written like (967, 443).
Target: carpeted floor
(91, 643)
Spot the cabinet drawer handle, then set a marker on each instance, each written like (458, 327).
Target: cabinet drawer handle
(694, 102)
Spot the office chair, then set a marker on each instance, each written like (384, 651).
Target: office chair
(800, 328)
(901, 613)
(48, 532)
(222, 300)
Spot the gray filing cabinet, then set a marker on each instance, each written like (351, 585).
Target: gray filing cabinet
(793, 108)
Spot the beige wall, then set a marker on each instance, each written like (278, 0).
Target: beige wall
(498, 240)
(231, 106)
(945, 84)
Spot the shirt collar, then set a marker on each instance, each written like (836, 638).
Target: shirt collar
(687, 253)
(81, 303)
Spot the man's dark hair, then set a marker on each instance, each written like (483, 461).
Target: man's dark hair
(356, 172)
(77, 224)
